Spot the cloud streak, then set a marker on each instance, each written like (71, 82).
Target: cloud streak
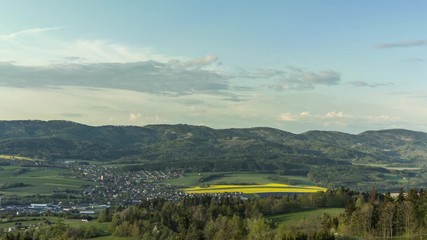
(404, 44)
(150, 76)
(194, 63)
(33, 31)
(370, 85)
(292, 78)
(32, 47)
(289, 117)
(300, 79)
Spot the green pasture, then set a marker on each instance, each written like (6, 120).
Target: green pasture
(400, 167)
(189, 180)
(37, 180)
(393, 177)
(192, 179)
(294, 217)
(100, 226)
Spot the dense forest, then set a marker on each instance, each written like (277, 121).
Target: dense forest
(368, 215)
(186, 143)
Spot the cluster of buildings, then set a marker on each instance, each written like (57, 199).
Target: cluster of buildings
(40, 208)
(125, 187)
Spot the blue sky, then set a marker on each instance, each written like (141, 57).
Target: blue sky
(294, 65)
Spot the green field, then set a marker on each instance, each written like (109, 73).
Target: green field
(192, 179)
(37, 180)
(401, 167)
(300, 215)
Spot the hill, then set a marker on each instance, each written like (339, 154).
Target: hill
(200, 148)
(63, 139)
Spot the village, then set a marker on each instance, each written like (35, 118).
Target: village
(115, 186)
(107, 186)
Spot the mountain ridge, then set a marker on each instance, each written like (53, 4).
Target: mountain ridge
(57, 139)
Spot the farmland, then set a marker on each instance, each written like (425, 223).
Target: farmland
(36, 180)
(256, 188)
(12, 157)
(295, 217)
(233, 178)
(244, 182)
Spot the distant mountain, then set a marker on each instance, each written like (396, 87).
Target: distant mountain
(186, 143)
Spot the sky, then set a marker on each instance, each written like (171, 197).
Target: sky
(295, 65)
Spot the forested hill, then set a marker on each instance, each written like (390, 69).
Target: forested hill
(185, 143)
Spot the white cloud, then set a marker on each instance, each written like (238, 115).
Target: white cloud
(305, 114)
(139, 119)
(287, 117)
(334, 114)
(33, 47)
(134, 117)
(196, 62)
(339, 118)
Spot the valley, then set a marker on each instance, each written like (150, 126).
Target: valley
(85, 178)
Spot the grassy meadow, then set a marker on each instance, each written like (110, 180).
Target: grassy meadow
(288, 218)
(36, 180)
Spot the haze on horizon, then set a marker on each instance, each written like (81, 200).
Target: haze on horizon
(294, 65)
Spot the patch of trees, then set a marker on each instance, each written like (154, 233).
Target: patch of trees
(383, 217)
(58, 230)
(222, 217)
(368, 215)
(281, 179)
(12, 185)
(4, 162)
(352, 176)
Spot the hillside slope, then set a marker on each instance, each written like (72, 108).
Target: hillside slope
(174, 143)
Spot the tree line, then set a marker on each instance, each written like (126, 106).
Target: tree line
(367, 215)
(223, 217)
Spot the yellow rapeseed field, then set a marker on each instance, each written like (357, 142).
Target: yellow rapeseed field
(258, 188)
(11, 157)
